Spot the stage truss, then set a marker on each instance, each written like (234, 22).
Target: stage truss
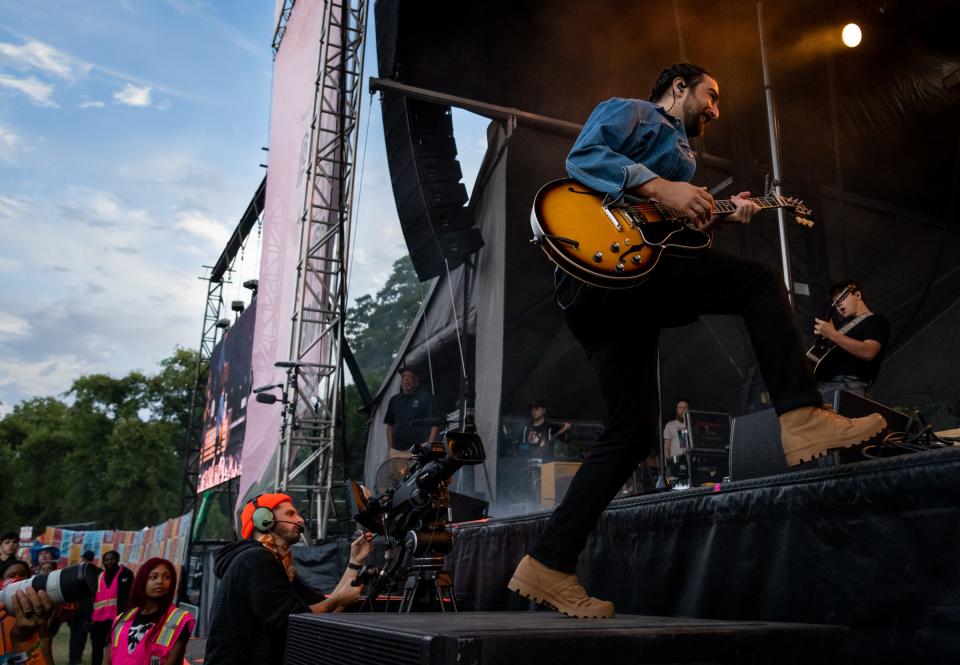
(210, 335)
(315, 375)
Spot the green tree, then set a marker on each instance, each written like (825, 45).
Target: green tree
(377, 325)
(112, 456)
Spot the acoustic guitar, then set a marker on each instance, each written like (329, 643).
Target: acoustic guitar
(822, 347)
(617, 246)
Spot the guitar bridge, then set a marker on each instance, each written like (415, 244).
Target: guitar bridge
(616, 222)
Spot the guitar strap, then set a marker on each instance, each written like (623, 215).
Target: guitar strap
(850, 325)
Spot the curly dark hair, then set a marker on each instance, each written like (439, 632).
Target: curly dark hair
(690, 73)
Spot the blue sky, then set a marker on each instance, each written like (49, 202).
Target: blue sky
(130, 143)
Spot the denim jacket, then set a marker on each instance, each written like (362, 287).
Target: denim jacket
(627, 142)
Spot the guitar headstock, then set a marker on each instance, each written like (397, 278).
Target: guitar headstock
(803, 214)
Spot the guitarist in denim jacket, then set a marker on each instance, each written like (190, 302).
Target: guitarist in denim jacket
(632, 147)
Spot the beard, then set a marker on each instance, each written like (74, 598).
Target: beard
(694, 119)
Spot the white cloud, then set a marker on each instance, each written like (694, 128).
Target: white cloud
(12, 207)
(32, 87)
(50, 376)
(10, 143)
(8, 265)
(131, 95)
(45, 58)
(92, 105)
(203, 226)
(11, 325)
(106, 208)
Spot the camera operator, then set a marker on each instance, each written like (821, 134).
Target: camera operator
(23, 626)
(259, 588)
(113, 592)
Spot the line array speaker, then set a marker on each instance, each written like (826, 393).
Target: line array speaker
(427, 187)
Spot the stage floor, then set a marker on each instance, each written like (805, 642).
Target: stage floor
(871, 546)
(532, 638)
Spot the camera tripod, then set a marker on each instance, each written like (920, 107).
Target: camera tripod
(427, 580)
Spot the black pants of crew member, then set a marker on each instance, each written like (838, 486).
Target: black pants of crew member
(79, 628)
(620, 331)
(99, 638)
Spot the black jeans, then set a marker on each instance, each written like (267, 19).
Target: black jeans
(620, 332)
(79, 627)
(99, 638)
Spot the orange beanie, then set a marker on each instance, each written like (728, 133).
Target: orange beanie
(270, 501)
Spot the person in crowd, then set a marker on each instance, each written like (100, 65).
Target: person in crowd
(9, 542)
(79, 621)
(413, 402)
(23, 627)
(860, 344)
(153, 630)
(110, 600)
(259, 588)
(48, 554)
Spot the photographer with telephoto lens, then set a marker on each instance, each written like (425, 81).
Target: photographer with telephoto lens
(23, 618)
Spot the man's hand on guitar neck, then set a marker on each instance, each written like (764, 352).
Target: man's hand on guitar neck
(696, 204)
(745, 209)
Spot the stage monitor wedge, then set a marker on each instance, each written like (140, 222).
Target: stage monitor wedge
(438, 228)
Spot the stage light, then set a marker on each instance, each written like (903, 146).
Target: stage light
(252, 284)
(851, 35)
(223, 324)
(237, 306)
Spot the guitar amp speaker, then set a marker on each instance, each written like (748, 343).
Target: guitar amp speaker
(755, 446)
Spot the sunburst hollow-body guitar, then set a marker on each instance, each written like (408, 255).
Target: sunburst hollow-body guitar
(617, 246)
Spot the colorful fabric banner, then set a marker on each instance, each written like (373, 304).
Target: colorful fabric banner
(167, 540)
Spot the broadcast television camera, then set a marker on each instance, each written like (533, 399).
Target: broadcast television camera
(65, 585)
(399, 509)
(413, 518)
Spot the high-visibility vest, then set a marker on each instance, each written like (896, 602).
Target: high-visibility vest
(148, 652)
(105, 602)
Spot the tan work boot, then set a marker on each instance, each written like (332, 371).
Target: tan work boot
(810, 431)
(561, 591)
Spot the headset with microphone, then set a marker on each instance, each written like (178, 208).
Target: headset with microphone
(263, 519)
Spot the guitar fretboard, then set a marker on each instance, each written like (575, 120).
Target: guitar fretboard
(722, 207)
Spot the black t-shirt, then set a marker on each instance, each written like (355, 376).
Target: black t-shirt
(402, 409)
(841, 363)
(534, 435)
(140, 628)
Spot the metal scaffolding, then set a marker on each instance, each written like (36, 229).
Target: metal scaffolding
(305, 458)
(210, 335)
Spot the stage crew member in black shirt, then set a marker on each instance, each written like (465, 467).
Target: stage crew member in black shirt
(860, 344)
(412, 403)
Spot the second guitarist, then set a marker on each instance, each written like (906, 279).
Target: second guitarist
(860, 343)
(643, 146)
